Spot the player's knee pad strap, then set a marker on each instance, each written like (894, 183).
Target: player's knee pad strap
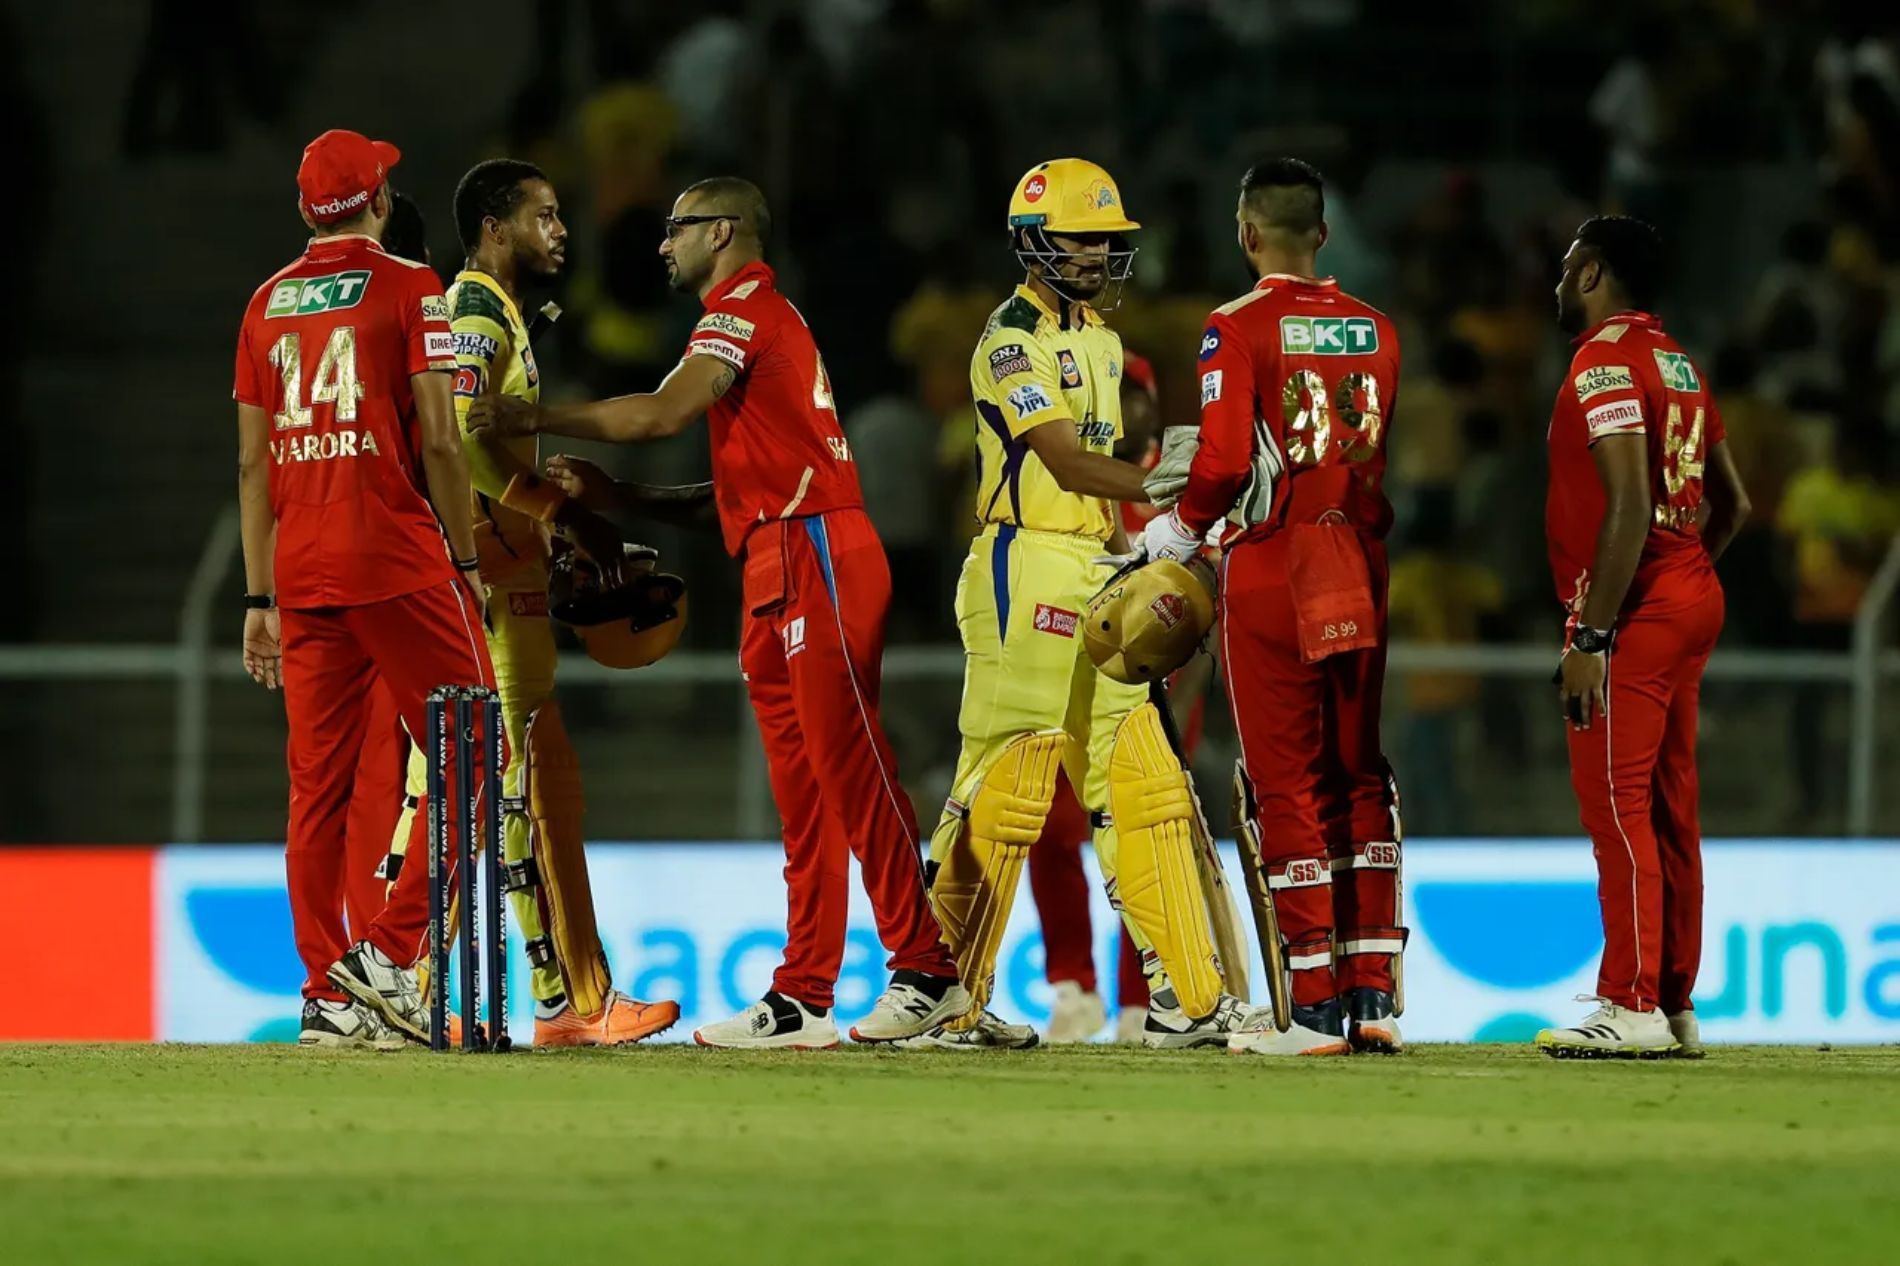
(1311, 954)
(1157, 880)
(551, 788)
(974, 887)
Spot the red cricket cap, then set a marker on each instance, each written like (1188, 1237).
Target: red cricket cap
(1140, 371)
(339, 173)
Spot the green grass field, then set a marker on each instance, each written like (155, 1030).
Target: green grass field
(1475, 1154)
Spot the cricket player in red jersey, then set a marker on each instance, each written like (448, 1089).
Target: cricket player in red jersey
(1643, 498)
(350, 462)
(816, 588)
(1298, 384)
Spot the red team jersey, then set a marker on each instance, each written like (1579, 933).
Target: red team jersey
(1298, 379)
(1628, 378)
(777, 449)
(327, 349)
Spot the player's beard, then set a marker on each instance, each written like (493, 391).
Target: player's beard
(1086, 288)
(1569, 311)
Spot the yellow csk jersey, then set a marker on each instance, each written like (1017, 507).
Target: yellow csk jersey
(492, 353)
(1031, 367)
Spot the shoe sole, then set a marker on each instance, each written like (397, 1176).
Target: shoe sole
(372, 998)
(1337, 1048)
(1370, 1041)
(1183, 1041)
(763, 1046)
(923, 1042)
(1564, 1050)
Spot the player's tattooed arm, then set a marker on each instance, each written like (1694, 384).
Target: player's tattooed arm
(692, 388)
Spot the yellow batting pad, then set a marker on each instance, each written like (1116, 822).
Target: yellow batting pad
(975, 884)
(551, 785)
(1157, 877)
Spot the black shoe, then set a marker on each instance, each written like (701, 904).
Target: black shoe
(1328, 1017)
(1374, 1026)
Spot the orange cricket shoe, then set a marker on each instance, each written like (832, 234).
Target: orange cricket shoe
(621, 1022)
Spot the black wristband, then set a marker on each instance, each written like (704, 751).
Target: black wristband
(1591, 641)
(468, 564)
(259, 602)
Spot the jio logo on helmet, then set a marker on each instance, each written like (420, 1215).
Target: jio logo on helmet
(1034, 190)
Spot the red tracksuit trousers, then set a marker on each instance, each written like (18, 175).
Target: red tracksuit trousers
(333, 657)
(1326, 807)
(816, 591)
(375, 807)
(1634, 771)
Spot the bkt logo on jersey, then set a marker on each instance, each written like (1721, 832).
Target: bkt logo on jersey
(1328, 336)
(1678, 374)
(301, 296)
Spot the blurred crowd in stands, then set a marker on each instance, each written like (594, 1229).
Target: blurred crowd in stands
(1463, 141)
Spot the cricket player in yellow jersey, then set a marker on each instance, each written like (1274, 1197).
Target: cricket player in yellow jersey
(1046, 378)
(510, 225)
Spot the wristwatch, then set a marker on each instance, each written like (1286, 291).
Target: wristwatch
(1591, 641)
(259, 602)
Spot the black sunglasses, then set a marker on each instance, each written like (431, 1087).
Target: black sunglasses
(675, 224)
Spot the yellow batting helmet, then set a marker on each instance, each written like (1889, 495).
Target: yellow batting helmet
(1149, 620)
(629, 625)
(1069, 195)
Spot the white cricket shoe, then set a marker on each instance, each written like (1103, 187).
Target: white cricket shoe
(1260, 1036)
(345, 1025)
(990, 1033)
(1168, 1028)
(373, 979)
(774, 1022)
(1688, 1034)
(1611, 1032)
(914, 1003)
(1128, 1025)
(1076, 1016)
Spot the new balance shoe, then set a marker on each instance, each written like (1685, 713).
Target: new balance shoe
(1315, 1030)
(988, 1032)
(1611, 1032)
(1688, 1035)
(1076, 1016)
(369, 976)
(914, 1003)
(1372, 1028)
(621, 1022)
(1168, 1028)
(774, 1022)
(345, 1026)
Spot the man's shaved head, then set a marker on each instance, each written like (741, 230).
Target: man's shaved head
(731, 195)
(1284, 196)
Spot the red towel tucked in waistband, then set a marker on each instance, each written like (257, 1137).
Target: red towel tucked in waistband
(1331, 588)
